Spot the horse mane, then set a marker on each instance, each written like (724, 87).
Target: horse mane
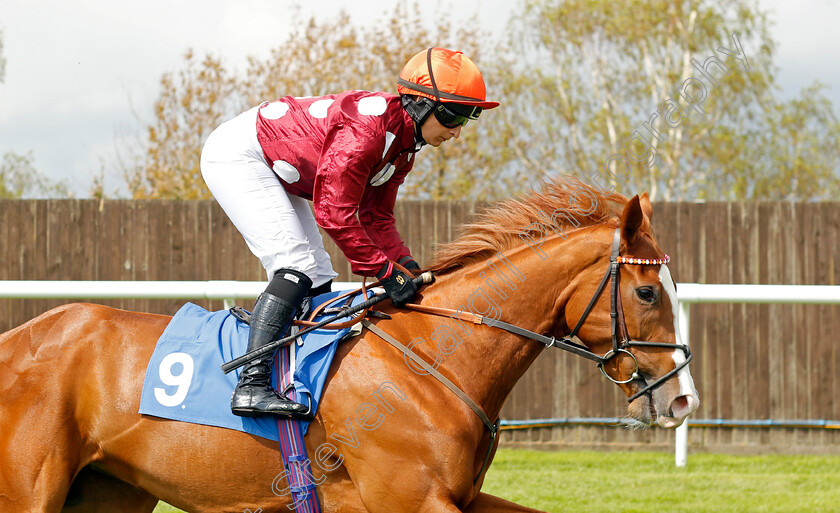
(564, 202)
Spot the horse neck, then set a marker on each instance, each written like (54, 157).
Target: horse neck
(523, 287)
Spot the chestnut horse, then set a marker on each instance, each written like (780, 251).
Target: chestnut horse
(388, 437)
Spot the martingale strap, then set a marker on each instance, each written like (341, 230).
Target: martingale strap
(492, 427)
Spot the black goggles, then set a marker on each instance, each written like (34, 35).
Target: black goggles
(454, 114)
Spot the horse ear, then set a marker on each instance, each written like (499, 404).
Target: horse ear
(632, 218)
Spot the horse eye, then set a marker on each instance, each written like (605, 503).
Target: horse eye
(646, 294)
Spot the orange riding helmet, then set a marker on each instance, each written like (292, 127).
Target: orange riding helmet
(444, 82)
(454, 78)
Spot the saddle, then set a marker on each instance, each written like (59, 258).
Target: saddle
(183, 381)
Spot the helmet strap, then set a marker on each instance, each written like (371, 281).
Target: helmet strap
(419, 108)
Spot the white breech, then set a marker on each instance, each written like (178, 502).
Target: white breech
(278, 227)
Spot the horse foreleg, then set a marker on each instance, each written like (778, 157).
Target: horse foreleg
(485, 503)
(94, 492)
(35, 471)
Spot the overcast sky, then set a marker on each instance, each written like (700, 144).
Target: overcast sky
(77, 69)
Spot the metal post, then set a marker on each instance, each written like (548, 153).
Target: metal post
(681, 438)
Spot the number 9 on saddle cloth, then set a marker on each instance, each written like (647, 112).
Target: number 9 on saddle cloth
(184, 381)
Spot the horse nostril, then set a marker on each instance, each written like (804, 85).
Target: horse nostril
(680, 407)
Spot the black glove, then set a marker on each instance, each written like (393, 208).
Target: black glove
(397, 284)
(409, 263)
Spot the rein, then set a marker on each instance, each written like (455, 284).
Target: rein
(572, 344)
(621, 342)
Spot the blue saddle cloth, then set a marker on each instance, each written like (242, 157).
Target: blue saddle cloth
(184, 380)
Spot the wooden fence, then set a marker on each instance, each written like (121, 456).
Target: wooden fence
(751, 361)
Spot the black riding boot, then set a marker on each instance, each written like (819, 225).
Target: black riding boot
(272, 315)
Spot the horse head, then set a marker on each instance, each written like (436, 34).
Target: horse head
(633, 321)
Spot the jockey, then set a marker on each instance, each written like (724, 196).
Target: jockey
(348, 154)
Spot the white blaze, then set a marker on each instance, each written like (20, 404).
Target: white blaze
(684, 376)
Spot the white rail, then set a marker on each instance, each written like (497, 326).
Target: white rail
(228, 291)
(689, 293)
(722, 293)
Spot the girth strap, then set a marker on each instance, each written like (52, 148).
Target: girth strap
(492, 427)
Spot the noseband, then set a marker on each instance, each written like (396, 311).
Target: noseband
(617, 325)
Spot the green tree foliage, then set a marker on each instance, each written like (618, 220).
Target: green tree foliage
(20, 179)
(795, 154)
(583, 77)
(587, 87)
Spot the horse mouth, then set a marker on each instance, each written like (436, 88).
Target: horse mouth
(642, 414)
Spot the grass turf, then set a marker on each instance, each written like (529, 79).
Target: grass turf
(640, 482)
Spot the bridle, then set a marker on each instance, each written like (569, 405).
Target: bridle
(569, 343)
(617, 326)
